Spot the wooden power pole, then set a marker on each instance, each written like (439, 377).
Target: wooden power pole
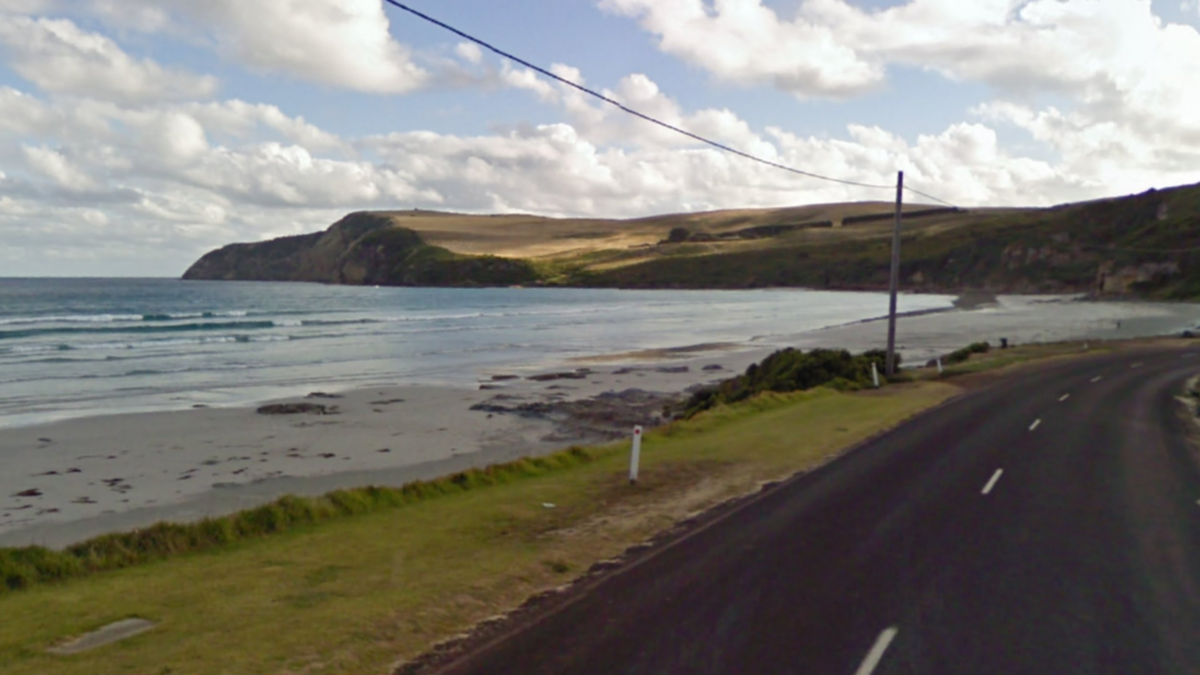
(891, 345)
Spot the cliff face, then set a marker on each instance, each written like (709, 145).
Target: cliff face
(362, 248)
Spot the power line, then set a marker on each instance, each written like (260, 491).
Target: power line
(635, 113)
(929, 196)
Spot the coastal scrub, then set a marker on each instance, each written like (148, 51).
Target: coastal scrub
(792, 370)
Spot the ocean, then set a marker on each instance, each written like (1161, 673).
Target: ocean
(81, 347)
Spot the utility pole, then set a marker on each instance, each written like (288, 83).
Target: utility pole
(891, 345)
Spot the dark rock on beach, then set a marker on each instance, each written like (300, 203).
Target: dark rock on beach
(297, 408)
(609, 416)
(580, 374)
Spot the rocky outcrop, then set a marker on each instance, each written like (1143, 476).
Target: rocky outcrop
(1131, 279)
(362, 248)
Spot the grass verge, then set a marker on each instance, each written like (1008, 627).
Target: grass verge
(22, 568)
(353, 595)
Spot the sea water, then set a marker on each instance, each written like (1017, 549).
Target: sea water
(77, 347)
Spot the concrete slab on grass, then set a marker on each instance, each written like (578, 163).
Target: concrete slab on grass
(111, 633)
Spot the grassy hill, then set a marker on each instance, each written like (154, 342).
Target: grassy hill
(1145, 245)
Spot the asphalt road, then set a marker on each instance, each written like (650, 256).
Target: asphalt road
(1049, 523)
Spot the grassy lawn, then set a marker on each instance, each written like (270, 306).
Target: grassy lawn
(360, 594)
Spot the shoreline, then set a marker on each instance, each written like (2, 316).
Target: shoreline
(70, 480)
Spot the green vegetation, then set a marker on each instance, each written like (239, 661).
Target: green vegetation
(961, 355)
(790, 370)
(354, 594)
(21, 568)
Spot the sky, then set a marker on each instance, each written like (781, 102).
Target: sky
(136, 135)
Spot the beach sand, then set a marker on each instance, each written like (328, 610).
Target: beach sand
(71, 480)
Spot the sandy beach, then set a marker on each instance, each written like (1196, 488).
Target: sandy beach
(70, 480)
(78, 478)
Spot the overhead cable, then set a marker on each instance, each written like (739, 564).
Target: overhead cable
(929, 196)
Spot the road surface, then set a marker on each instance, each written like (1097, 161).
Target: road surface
(1047, 524)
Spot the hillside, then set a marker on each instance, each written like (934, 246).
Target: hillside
(1145, 245)
(362, 248)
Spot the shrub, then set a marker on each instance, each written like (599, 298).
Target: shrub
(961, 355)
(792, 370)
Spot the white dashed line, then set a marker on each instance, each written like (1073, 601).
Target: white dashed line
(992, 483)
(1097, 378)
(1036, 423)
(1063, 397)
(876, 654)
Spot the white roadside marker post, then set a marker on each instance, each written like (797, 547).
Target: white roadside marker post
(940, 370)
(874, 374)
(635, 455)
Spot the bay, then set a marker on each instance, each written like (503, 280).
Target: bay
(81, 347)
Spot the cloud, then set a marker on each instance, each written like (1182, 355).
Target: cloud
(744, 42)
(243, 120)
(340, 43)
(469, 52)
(58, 168)
(125, 14)
(24, 6)
(1121, 74)
(59, 57)
(602, 123)
(1115, 59)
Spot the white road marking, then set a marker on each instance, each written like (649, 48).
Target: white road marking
(992, 483)
(876, 654)
(1064, 397)
(1097, 378)
(1137, 365)
(1036, 423)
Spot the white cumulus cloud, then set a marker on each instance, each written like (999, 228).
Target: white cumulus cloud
(745, 42)
(340, 43)
(57, 167)
(58, 56)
